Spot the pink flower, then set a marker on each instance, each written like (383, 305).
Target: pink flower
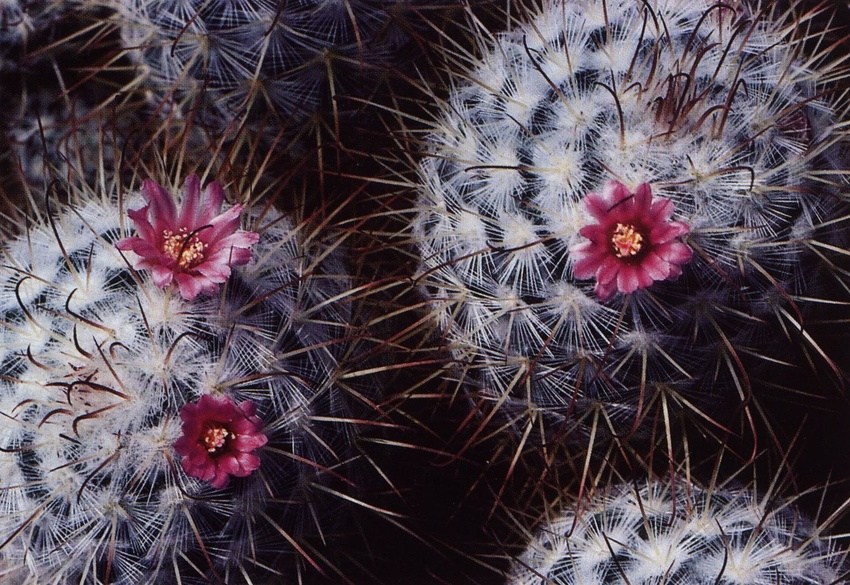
(634, 242)
(196, 247)
(219, 439)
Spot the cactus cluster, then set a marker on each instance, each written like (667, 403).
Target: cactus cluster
(604, 233)
(678, 533)
(101, 366)
(560, 128)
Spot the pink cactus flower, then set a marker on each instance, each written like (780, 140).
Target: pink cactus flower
(194, 248)
(219, 439)
(634, 242)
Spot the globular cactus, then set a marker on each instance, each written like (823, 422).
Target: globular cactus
(619, 200)
(678, 533)
(171, 402)
(275, 63)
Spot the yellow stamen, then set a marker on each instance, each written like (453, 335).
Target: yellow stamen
(626, 241)
(215, 436)
(187, 250)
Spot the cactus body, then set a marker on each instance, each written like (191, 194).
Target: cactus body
(640, 92)
(279, 62)
(98, 363)
(679, 533)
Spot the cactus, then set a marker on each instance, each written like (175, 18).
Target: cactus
(704, 129)
(159, 431)
(277, 62)
(677, 532)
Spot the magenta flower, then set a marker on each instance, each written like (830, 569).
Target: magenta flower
(194, 248)
(219, 439)
(634, 242)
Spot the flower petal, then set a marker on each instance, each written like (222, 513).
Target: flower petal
(191, 203)
(616, 192)
(643, 197)
(628, 279)
(213, 199)
(222, 225)
(138, 245)
(594, 232)
(596, 205)
(229, 464)
(608, 269)
(162, 275)
(605, 290)
(675, 253)
(249, 409)
(189, 286)
(661, 210)
(586, 261)
(214, 271)
(143, 226)
(239, 239)
(248, 463)
(219, 479)
(663, 232)
(655, 267)
(162, 210)
(249, 442)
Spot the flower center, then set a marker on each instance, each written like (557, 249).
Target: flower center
(184, 247)
(626, 241)
(215, 437)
